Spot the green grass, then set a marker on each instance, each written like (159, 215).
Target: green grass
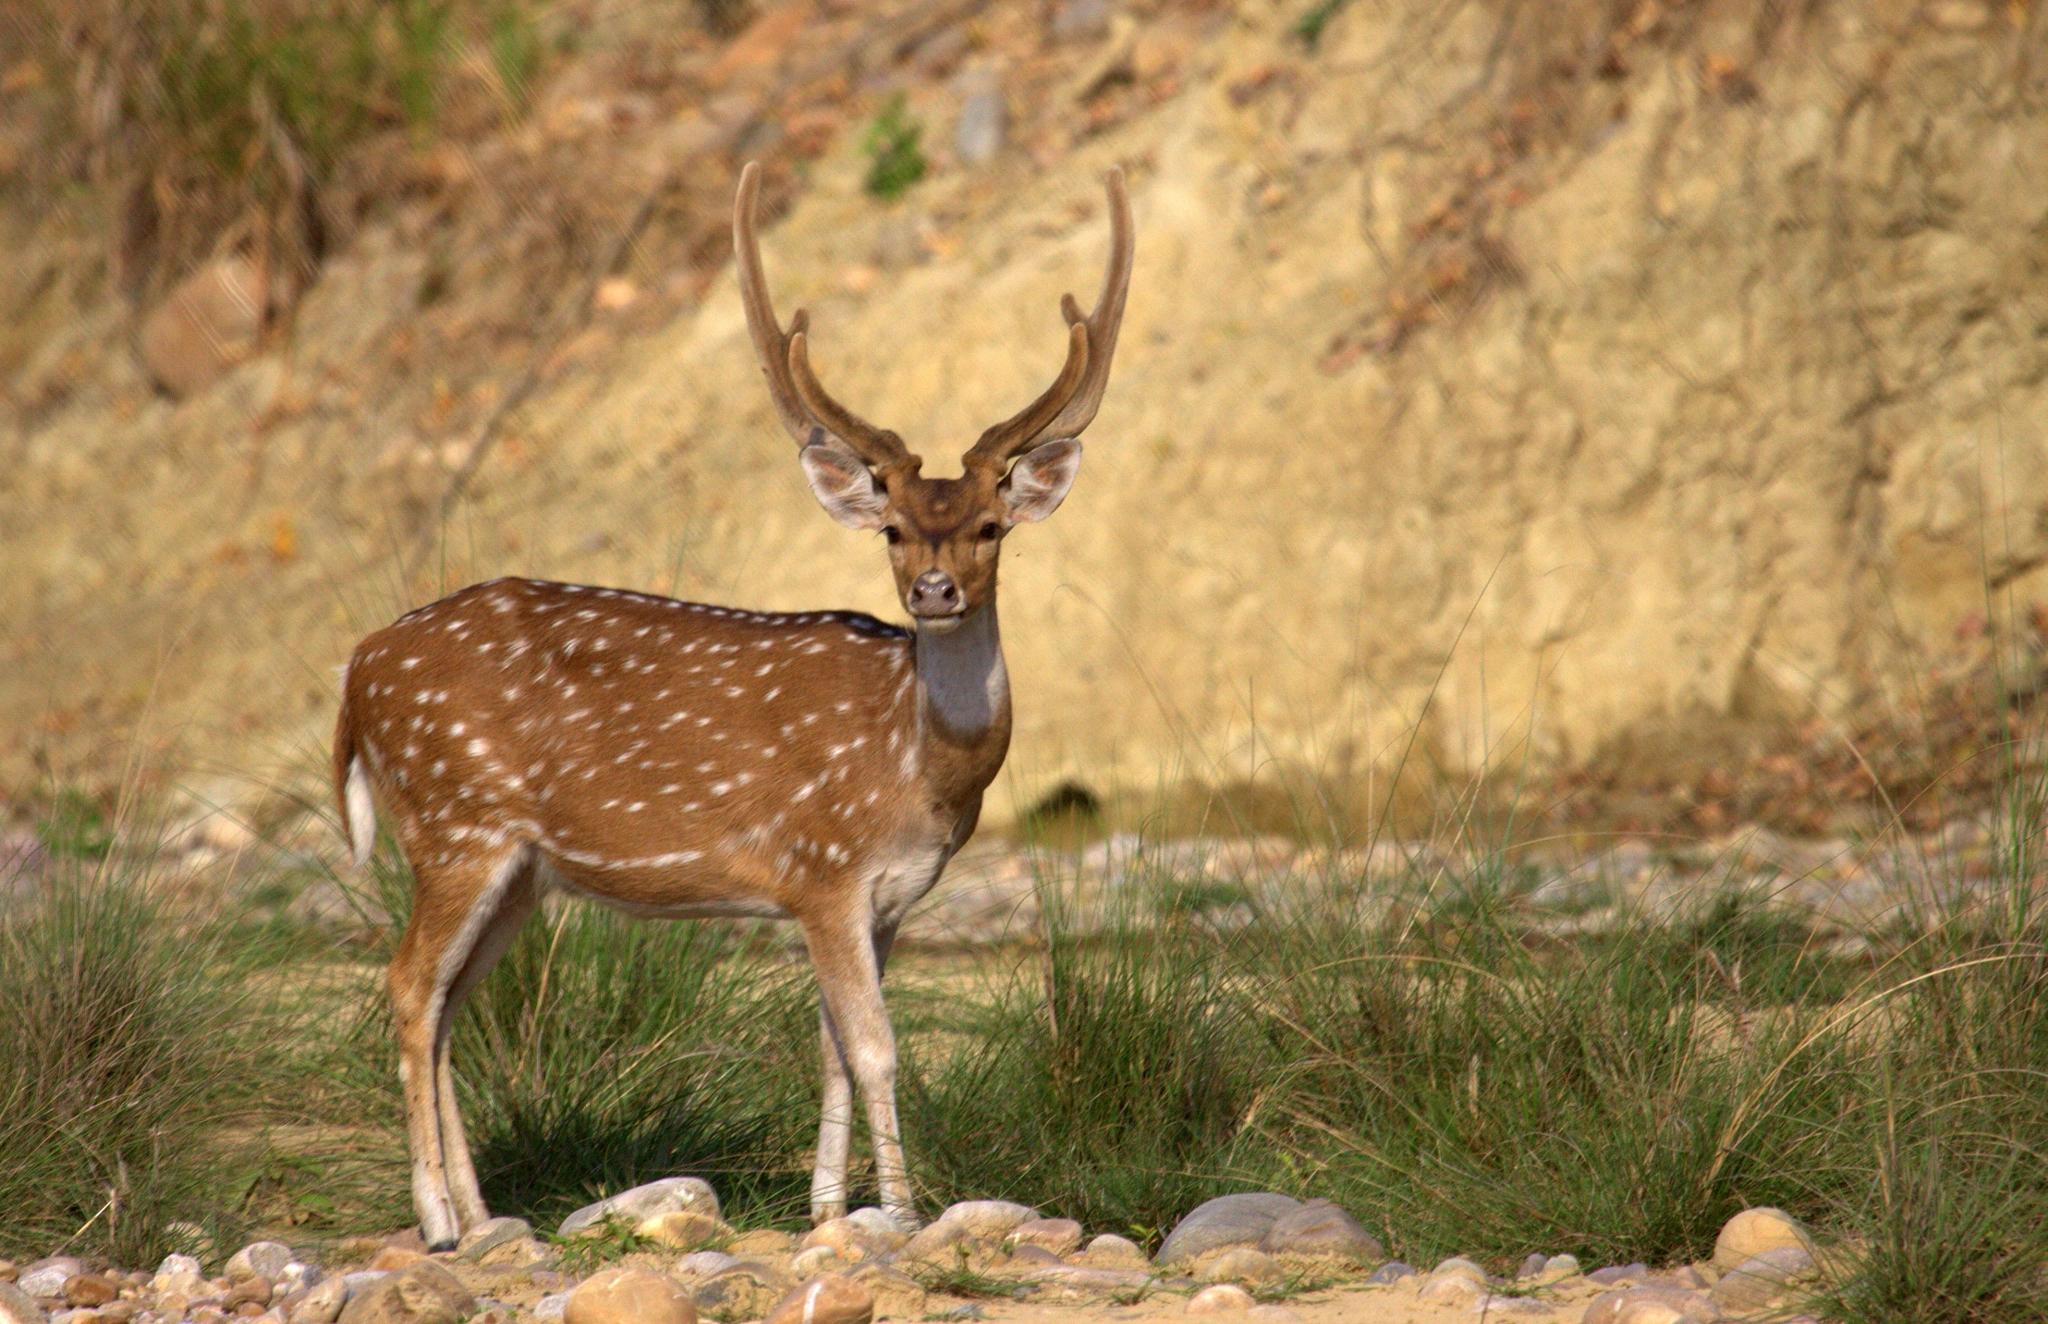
(604, 1050)
(131, 1035)
(1462, 1080)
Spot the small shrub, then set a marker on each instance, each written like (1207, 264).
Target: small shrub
(894, 160)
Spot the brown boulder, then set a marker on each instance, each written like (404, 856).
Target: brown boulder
(826, 1299)
(89, 1289)
(423, 1293)
(209, 323)
(629, 1296)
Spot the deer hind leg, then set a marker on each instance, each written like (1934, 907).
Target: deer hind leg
(521, 894)
(454, 909)
(856, 1032)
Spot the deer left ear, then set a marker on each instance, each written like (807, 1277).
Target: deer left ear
(1038, 482)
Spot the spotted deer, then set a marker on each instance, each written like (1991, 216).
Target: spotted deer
(674, 759)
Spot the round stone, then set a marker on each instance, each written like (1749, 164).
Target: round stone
(704, 1263)
(1240, 1264)
(90, 1289)
(1110, 1251)
(814, 1260)
(682, 1229)
(1754, 1231)
(321, 1305)
(249, 1291)
(1457, 1266)
(1058, 1235)
(990, 1220)
(826, 1299)
(1243, 1219)
(1763, 1280)
(258, 1259)
(629, 1296)
(1222, 1298)
(1451, 1290)
(1324, 1231)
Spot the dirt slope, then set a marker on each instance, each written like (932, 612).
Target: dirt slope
(1584, 374)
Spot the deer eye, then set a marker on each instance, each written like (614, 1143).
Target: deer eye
(892, 533)
(991, 531)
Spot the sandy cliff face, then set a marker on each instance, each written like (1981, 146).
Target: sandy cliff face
(1717, 396)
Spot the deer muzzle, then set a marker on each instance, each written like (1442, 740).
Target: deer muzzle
(934, 597)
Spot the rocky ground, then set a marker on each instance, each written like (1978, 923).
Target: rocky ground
(1843, 889)
(661, 1254)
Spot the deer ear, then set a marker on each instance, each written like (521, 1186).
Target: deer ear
(844, 487)
(1038, 482)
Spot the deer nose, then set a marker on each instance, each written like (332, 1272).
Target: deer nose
(934, 593)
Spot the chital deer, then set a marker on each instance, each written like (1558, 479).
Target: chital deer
(674, 759)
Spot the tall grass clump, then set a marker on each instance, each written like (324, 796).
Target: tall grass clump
(1109, 1075)
(1487, 1093)
(604, 1051)
(130, 1040)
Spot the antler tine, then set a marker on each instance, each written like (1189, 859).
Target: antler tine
(881, 449)
(809, 417)
(1101, 327)
(1006, 440)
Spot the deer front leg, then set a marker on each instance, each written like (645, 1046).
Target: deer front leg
(835, 1129)
(848, 958)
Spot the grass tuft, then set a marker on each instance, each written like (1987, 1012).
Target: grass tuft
(130, 1037)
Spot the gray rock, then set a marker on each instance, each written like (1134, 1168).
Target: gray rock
(691, 1195)
(984, 122)
(362, 1280)
(321, 1305)
(490, 1234)
(299, 1276)
(46, 1281)
(47, 1276)
(1060, 1236)
(18, 1307)
(1393, 1271)
(1243, 1219)
(551, 1306)
(1089, 1279)
(1615, 1273)
(1080, 18)
(1532, 1267)
(258, 1259)
(1763, 1280)
(1457, 1266)
(705, 1263)
(179, 1264)
(1651, 1305)
(1322, 1229)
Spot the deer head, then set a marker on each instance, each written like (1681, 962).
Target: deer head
(944, 534)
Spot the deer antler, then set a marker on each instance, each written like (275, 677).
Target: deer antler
(1069, 406)
(808, 414)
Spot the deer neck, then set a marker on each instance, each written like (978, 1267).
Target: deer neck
(963, 705)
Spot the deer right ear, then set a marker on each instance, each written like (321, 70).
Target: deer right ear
(844, 487)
